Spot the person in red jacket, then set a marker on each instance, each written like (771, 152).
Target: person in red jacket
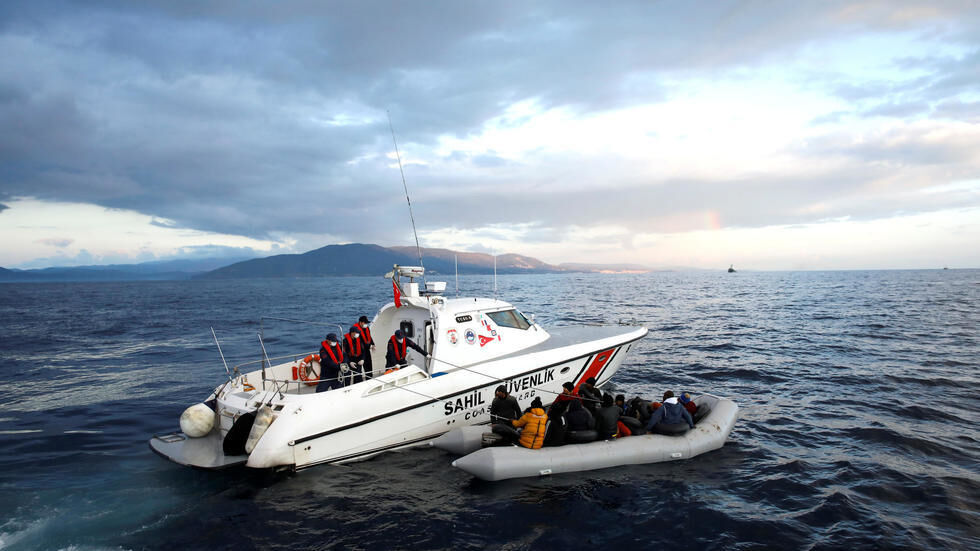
(688, 404)
(560, 405)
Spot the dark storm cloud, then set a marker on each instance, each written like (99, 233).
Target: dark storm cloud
(264, 119)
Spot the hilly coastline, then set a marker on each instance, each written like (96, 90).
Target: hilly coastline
(354, 259)
(357, 259)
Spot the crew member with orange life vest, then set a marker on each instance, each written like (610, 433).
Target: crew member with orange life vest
(354, 350)
(398, 350)
(368, 342)
(331, 356)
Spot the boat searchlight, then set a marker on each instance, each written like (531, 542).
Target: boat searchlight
(410, 272)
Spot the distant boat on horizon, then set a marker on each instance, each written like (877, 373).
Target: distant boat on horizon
(731, 268)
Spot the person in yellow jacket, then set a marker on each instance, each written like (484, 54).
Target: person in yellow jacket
(534, 422)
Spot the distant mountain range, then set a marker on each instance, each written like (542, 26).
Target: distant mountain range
(359, 259)
(162, 270)
(333, 260)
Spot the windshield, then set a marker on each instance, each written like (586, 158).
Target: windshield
(509, 318)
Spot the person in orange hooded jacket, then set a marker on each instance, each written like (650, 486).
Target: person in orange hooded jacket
(534, 422)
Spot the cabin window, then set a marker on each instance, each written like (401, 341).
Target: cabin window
(408, 328)
(509, 318)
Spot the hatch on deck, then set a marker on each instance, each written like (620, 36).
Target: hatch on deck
(205, 452)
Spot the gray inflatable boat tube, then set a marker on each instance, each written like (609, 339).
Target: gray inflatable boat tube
(500, 463)
(463, 440)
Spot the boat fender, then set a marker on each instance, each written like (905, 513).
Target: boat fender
(671, 429)
(509, 434)
(197, 420)
(263, 419)
(234, 442)
(580, 436)
(309, 370)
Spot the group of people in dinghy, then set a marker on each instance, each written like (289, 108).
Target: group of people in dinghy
(588, 415)
(347, 360)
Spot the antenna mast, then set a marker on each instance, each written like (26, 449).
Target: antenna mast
(495, 275)
(407, 198)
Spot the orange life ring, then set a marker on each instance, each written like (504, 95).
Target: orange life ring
(306, 370)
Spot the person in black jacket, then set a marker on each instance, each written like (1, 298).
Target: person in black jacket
(504, 407)
(591, 397)
(331, 356)
(606, 418)
(578, 418)
(397, 355)
(364, 325)
(621, 404)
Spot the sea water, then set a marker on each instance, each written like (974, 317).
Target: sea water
(858, 425)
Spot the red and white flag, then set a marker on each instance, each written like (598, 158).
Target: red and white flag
(398, 294)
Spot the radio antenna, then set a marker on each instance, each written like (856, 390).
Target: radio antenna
(407, 198)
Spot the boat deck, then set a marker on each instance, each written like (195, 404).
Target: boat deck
(205, 452)
(560, 337)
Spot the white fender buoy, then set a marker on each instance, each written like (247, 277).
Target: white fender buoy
(197, 421)
(263, 419)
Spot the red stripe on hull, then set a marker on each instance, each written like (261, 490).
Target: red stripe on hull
(597, 364)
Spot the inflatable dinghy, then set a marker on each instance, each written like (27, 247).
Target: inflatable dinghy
(503, 462)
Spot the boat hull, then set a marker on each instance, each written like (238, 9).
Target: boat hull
(406, 408)
(500, 463)
(428, 409)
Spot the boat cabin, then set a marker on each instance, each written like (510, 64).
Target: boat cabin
(455, 332)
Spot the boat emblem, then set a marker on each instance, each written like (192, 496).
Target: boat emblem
(485, 340)
(470, 336)
(452, 336)
(493, 332)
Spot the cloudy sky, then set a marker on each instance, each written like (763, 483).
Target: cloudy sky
(772, 135)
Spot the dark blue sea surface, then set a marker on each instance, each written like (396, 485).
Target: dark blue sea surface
(858, 429)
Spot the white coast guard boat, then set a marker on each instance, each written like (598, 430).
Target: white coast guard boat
(475, 345)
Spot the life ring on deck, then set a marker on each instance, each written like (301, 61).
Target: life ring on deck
(247, 387)
(306, 370)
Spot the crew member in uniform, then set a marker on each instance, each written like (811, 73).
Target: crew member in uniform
(398, 350)
(331, 356)
(368, 342)
(354, 352)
